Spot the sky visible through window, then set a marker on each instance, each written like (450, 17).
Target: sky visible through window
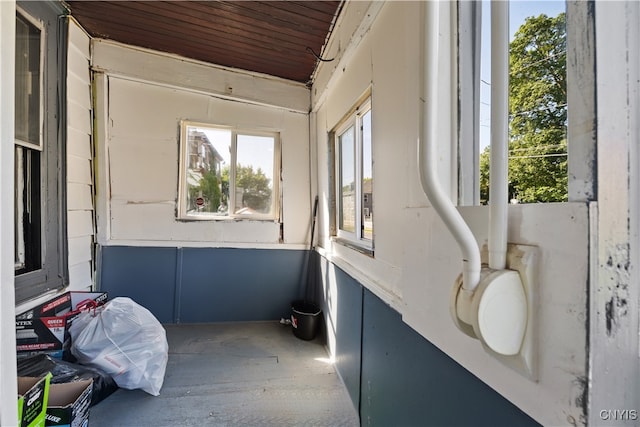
(263, 159)
(518, 12)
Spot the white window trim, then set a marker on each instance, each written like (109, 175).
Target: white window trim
(53, 271)
(581, 142)
(355, 239)
(182, 187)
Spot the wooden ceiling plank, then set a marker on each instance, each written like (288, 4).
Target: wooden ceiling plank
(241, 15)
(267, 37)
(257, 30)
(127, 12)
(277, 12)
(215, 54)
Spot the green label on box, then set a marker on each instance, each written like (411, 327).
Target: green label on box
(32, 404)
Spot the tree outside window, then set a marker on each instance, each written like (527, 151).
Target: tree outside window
(537, 114)
(226, 173)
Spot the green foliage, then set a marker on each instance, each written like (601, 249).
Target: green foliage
(224, 185)
(255, 185)
(210, 186)
(484, 176)
(209, 189)
(537, 113)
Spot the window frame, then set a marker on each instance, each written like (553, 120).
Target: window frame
(581, 143)
(41, 27)
(52, 271)
(181, 212)
(27, 178)
(353, 119)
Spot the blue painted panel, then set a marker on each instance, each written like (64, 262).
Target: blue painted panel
(204, 284)
(146, 275)
(225, 284)
(347, 325)
(407, 381)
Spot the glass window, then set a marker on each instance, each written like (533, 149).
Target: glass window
(228, 174)
(354, 172)
(367, 178)
(347, 186)
(27, 247)
(28, 83)
(537, 103)
(39, 227)
(254, 175)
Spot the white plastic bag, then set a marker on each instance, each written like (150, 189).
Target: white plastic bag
(125, 340)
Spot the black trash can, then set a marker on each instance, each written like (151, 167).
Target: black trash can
(305, 317)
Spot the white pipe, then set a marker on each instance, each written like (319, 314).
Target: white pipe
(498, 172)
(428, 155)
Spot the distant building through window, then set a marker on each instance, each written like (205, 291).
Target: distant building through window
(228, 174)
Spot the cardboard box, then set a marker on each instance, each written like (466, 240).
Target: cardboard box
(33, 395)
(44, 328)
(69, 404)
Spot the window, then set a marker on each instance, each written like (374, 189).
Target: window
(538, 157)
(226, 173)
(28, 145)
(39, 243)
(354, 178)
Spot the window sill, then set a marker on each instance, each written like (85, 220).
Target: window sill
(353, 245)
(226, 218)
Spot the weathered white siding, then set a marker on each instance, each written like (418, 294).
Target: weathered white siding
(141, 98)
(80, 209)
(416, 260)
(615, 293)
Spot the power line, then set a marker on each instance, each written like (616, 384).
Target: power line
(539, 110)
(537, 147)
(535, 156)
(546, 58)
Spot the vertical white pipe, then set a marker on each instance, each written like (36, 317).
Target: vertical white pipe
(498, 172)
(427, 153)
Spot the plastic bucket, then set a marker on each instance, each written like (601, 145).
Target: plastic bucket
(305, 318)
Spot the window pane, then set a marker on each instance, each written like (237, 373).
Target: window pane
(367, 178)
(27, 225)
(347, 181)
(27, 97)
(254, 175)
(208, 153)
(537, 103)
(19, 206)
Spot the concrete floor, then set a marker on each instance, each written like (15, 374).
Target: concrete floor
(236, 374)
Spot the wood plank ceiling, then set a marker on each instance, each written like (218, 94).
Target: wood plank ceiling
(279, 38)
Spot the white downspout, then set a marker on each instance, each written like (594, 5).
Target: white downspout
(498, 172)
(427, 154)
(494, 310)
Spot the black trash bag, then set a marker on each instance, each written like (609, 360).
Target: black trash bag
(66, 372)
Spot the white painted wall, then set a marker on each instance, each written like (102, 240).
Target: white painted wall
(8, 383)
(139, 108)
(416, 260)
(615, 293)
(80, 209)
